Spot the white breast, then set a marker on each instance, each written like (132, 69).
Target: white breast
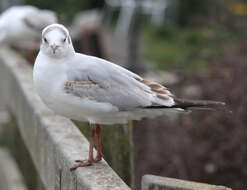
(49, 78)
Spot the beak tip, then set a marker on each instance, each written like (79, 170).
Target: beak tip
(54, 47)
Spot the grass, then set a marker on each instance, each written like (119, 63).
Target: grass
(170, 47)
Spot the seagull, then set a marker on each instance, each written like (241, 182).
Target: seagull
(87, 88)
(20, 26)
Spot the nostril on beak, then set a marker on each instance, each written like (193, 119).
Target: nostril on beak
(54, 47)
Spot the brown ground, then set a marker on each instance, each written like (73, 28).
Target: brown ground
(204, 146)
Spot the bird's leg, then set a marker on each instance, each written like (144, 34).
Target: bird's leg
(90, 160)
(99, 153)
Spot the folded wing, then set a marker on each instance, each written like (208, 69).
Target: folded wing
(103, 81)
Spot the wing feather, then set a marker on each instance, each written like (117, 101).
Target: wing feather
(103, 81)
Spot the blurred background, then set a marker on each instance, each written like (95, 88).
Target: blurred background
(198, 50)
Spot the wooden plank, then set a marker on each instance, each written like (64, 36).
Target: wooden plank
(53, 141)
(151, 182)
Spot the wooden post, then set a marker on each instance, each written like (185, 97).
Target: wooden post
(116, 148)
(134, 62)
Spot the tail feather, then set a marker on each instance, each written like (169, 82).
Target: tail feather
(186, 104)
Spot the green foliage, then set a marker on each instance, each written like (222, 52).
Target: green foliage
(184, 48)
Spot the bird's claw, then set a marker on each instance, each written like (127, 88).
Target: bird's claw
(81, 160)
(98, 158)
(80, 163)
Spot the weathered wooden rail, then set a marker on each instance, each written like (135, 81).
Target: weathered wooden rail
(151, 182)
(54, 142)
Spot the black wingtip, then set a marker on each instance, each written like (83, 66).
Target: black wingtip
(185, 103)
(191, 104)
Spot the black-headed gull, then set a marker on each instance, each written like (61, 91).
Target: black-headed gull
(20, 26)
(91, 89)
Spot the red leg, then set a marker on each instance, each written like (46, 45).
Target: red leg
(90, 159)
(99, 153)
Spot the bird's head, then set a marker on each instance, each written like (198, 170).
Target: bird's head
(56, 41)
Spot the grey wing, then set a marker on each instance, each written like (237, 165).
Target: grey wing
(107, 82)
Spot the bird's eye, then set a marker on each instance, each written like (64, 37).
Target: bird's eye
(64, 39)
(46, 41)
